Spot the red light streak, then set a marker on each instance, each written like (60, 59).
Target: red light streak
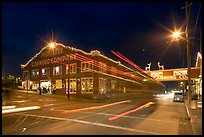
(136, 66)
(130, 111)
(109, 68)
(96, 63)
(95, 107)
(127, 60)
(130, 62)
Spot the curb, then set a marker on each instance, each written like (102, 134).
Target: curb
(188, 113)
(191, 118)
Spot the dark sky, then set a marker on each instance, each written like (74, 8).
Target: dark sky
(137, 30)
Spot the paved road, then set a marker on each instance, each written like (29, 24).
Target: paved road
(58, 116)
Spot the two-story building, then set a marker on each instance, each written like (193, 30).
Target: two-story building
(87, 74)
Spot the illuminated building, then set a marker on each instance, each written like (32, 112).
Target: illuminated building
(90, 74)
(198, 81)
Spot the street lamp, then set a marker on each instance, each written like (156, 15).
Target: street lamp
(52, 44)
(176, 35)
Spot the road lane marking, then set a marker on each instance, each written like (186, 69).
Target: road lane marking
(131, 111)
(20, 109)
(7, 107)
(96, 124)
(95, 107)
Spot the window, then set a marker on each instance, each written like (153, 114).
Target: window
(73, 68)
(72, 85)
(113, 84)
(45, 72)
(102, 67)
(25, 74)
(87, 85)
(102, 85)
(35, 73)
(35, 84)
(57, 70)
(86, 66)
(58, 84)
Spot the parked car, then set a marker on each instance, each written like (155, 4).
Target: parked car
(178, 96)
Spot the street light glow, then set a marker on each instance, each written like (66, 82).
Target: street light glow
(52, 44)
(176, 34)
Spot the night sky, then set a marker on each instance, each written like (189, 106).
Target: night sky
(137, 30)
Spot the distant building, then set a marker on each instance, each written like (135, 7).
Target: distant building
(8, 77)
(89, 74)
(8, 81)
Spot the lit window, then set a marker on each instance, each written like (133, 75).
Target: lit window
(45, 72)
(35, 73)
(87, 85)
(113, 84)
(34, 85)
(59, 84)
(73, 68)
(102, 85)
(86, 66)
(72, 85)
(57, 70)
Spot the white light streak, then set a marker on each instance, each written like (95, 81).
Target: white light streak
(7, 107)
(20, 109)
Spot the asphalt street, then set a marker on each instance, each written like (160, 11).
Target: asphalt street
(60, 116)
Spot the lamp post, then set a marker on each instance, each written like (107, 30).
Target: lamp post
(52, 46)
(188, 54)
(176, 35)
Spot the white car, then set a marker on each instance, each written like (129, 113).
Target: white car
(178, 96)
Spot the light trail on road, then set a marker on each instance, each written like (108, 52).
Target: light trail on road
(130, 111)
(7, 107)
(96, 107)
(20, 109)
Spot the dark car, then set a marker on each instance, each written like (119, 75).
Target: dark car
(178, 96)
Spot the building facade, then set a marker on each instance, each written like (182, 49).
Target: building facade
(87, 74)
(197, 87)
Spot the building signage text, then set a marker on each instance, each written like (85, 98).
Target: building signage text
(177, 75)
(60, 59)
(48, 53)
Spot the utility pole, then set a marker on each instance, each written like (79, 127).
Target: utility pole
(188, 53)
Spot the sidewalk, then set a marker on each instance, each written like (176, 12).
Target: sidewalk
(46, 100)
(195, 116)
(63, 96)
